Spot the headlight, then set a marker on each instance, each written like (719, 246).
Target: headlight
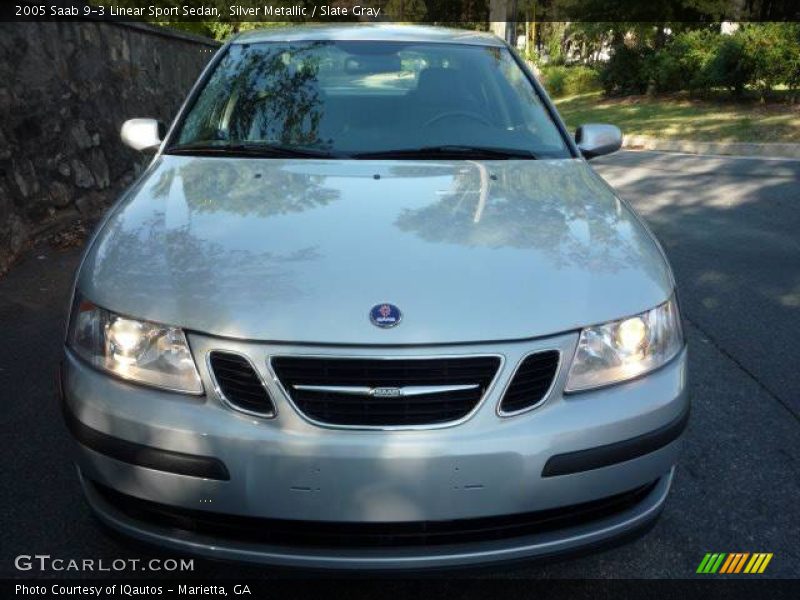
(141, 351)
(627, 348)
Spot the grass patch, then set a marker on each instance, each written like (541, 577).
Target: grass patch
(681, 118)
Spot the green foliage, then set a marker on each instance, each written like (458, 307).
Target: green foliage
(731, 66)
(774, 50)
(582, 80)
(588, 39)
(552, 37)
(681, 64)
(691, 53)
(664, 70)
(559, 80)
(531, 54)
(553, 79)
(756, 56)
(625, 72)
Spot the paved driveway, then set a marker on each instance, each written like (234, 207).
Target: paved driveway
(732, 230)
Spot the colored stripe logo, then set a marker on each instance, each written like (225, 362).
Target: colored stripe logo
(734, 562)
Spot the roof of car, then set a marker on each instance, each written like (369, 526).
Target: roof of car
(369, 33)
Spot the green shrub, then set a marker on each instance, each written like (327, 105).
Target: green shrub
(554, 79)
(694, 51)
(626, 72)
(559, 80)
(773, 50)
(758, 56)
(581, 79)
(731, 66)
(665, 71)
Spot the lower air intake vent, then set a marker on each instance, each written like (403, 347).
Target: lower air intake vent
(239, 383)
(386, 391)
(229, 528)
(531, 382)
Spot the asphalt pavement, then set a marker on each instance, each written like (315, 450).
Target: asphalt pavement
(731, 228)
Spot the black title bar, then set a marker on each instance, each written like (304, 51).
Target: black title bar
(427, 11)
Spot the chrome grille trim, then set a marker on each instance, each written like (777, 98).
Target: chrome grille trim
(287, 396)
(402, 392)
(545, 397)
(271, 414)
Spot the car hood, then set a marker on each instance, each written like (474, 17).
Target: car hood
(300, 250)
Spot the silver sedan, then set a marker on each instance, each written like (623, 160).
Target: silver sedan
(369, 307)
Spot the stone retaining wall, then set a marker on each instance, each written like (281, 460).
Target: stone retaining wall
(65, 89)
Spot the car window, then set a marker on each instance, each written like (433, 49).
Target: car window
(362, 97)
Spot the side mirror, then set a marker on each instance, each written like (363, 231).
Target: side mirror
(596, 139)
(143, 135)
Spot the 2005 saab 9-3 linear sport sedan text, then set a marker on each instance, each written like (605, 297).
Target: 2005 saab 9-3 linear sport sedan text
(369, 307)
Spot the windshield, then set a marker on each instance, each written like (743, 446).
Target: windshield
(346, 99)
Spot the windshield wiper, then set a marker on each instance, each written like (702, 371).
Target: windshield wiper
(251, 150)
(451, 150)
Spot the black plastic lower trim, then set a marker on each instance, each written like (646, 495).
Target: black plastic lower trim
(604, 456)
(139, 454)
(328, 534)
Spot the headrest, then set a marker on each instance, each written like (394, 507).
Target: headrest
(439, 84)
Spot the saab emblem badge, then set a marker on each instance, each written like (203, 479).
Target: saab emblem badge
(385, 315)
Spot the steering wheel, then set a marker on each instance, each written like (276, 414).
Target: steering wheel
(458, 113)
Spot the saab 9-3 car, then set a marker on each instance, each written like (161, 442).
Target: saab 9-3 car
(369, 307)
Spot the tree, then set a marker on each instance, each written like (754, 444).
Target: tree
(774, 49)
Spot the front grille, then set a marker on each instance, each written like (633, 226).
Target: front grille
(531, 381)
(357, 408)
(327, 534)
(239, 383)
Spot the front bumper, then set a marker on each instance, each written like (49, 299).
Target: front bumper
(289, 469)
